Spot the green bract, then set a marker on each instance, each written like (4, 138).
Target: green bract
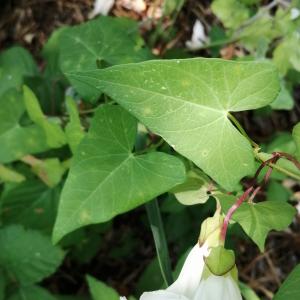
(187, 103)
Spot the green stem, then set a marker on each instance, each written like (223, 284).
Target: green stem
(241, 129)
(159, 237)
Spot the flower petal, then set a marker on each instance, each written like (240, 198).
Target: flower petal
(191, 273)
(162, 295)
(218, 287)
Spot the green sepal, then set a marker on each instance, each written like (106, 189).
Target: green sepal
(211, 230)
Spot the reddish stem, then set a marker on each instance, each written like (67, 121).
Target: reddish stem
(231, 211)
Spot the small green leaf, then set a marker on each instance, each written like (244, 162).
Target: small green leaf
(74, 130)
(27, 256)
(16, 63)
(9, 175)
(296, 136)
(257, 219)
(187, 103)
(107, 41)
(31, 292)
(220, 260)
(31, 204)
(54, 134)
(50, 171)
(101, 291)
(16, 140)
(290, 289)
(107, 179)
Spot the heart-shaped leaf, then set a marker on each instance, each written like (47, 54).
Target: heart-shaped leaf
(187, 103)
(257, 219)
(107, 179)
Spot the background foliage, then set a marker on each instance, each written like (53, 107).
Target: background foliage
(103, 139)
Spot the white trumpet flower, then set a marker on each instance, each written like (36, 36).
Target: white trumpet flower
(192, 285)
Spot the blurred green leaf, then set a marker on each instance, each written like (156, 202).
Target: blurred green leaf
(247, 292)
(54, 134)
(27, 256)
(74, 130)
(287, 53)
(31, 292)
(16, 140)
(31, 204)
(232, 13)
(290, 289)
(10, 175)
(284, 100)
(2, 285)
(277, 192)
(296, 137)
(15, 64)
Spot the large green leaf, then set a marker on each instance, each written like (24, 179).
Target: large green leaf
(16, 140)
(107, 179)
(31, 292)
(98, 43)
(27, 256)
(187, 103)
(31, 204)
(101, 291)
(290, 289)
(15, 64)
(257, 219)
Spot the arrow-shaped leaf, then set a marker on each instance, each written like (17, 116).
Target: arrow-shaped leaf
(187, 103)
(107, 179)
